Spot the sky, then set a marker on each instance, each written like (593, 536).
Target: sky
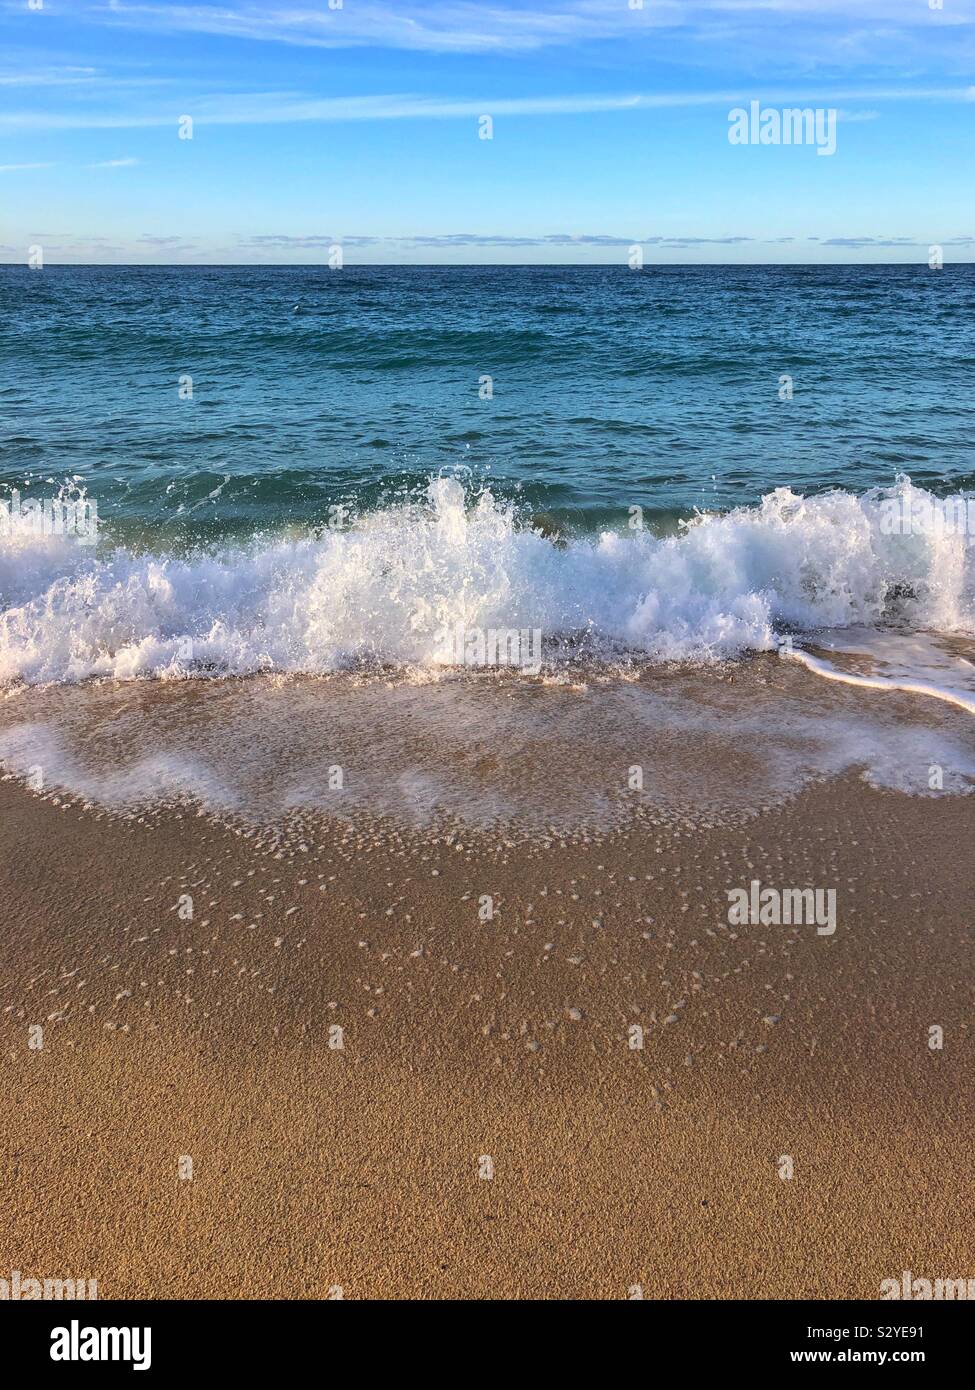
(361, 124)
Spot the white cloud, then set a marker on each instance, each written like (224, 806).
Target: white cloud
(467, 26)
(48, 77)
(114, 163)
(280, 108)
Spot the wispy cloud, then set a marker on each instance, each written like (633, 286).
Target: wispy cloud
(26, 75)
(126, 163)
(49, 77)
(415, 25)
(465, 26)
(281, 241)
(861, 243)
(16, 168)
(281, 108)
(603, 248)
(319, 241)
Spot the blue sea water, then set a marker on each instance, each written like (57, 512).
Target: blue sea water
(612, 388)
(302, 469)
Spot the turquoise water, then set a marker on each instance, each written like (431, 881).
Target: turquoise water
(611, 388)
(305, 470)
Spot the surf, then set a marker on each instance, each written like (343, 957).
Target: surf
(383, 589)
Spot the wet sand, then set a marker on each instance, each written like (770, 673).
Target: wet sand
(486, 1129)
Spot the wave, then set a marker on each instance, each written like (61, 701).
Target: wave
(386, 588)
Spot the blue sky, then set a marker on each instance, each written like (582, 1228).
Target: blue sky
(359, 125)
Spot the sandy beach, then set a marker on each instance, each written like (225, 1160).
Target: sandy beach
(487, 672)
(323, 1067)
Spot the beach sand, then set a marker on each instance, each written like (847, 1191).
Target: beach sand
(487, 1129)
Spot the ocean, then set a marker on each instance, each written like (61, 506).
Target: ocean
(611, 387)
(549, 475)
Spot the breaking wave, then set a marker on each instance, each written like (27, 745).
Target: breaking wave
(385, 589)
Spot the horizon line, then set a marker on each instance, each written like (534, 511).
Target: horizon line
(454, 265)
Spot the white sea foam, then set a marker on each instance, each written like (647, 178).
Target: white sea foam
(911, 685)
(476, 753)
(389, 587)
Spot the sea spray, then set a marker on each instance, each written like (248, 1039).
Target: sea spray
(386, 589)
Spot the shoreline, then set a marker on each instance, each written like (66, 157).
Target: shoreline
(317, 1167)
